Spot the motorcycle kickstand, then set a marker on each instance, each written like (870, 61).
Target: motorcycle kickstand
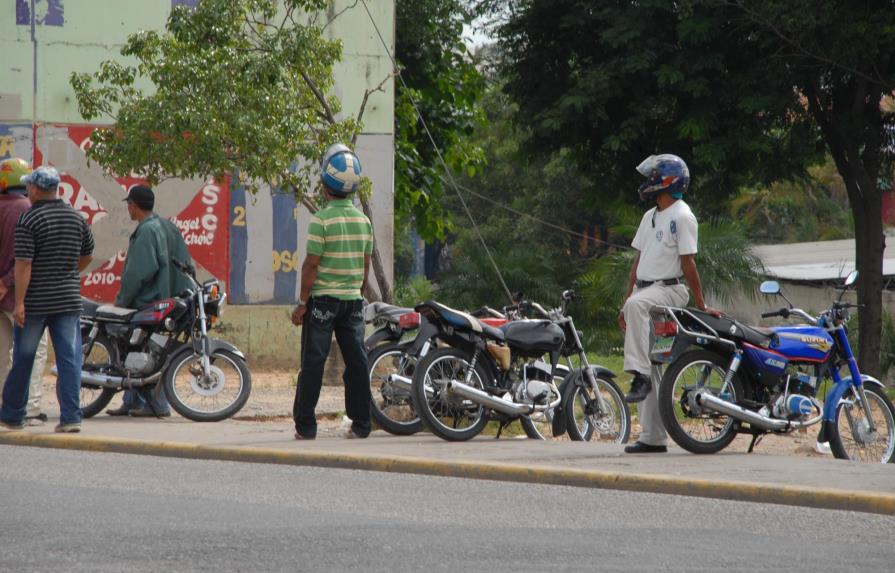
(755, 439)
(500, 428)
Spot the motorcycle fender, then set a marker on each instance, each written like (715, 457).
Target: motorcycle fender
(572, 377)
(838, 392)
(426, 332)
(213, 345)
(380, 335)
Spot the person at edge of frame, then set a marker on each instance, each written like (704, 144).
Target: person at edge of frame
(53, 245)
(13, 202)
(333, 276)
(666, 244)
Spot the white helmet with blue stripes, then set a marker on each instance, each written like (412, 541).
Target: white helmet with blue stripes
(340, 170)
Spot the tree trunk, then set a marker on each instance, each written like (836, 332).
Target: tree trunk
(869, 246)
(385, 288)
(851, 123)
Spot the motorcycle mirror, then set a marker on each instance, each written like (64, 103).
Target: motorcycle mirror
(769, 287)
(851, 279)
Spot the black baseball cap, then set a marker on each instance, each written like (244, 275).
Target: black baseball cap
(142, 196)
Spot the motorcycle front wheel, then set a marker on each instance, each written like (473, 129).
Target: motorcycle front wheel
(101, 357)
(392, 407)
(584, 421)
(851, 438)
(208, 397)
(692, 428)
(448, 416)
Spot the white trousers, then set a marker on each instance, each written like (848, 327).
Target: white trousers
(638, 339)
(35, 389)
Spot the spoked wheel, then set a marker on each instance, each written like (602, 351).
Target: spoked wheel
(586, 421)
(100, 359)
(851, 437)
(208, 396)
(392, 407)
(691, 427)
(446, 414)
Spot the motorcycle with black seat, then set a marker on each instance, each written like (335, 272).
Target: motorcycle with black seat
(167, 343)
(484, 373)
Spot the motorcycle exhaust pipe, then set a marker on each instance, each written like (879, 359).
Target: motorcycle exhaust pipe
(708, 400)
(405, 383)
(112, 382)
(485, 399)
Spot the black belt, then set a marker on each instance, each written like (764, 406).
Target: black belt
(666, 282)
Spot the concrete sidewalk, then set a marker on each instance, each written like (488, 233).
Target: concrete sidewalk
(791, 480)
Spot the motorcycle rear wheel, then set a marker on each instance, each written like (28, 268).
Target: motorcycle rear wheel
(443, 412)
(196, 398)
(703, 433)
(849, 438)
(582, 421)
(392, 408)
(102, 355)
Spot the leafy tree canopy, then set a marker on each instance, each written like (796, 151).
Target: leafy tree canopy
(441, 77)
(238, 85)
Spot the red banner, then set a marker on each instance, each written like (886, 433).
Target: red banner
(199, 209)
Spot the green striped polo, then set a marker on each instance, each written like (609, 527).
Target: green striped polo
(340, 235)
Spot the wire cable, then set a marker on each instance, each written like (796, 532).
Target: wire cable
(444, 164)
(546, 223)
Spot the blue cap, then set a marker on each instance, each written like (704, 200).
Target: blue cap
(44, 177)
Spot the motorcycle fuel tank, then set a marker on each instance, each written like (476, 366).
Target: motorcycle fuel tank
(803, 343)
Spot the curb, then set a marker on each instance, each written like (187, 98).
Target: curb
(821, 498)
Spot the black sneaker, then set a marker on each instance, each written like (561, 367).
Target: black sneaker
(641, 386)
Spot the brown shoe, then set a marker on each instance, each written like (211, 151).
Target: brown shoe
(301, 437)
(122, 411)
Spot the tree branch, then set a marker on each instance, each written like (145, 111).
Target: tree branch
(327, 111)
(756, 18)
(363, 103)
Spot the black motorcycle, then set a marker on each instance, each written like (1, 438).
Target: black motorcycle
(486, 373)
(164, 343)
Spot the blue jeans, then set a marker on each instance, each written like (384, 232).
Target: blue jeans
(134, 401)
(65, 332)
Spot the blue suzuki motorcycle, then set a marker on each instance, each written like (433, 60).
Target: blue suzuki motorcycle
(724, 378)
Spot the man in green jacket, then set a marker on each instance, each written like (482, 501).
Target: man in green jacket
(149, 276)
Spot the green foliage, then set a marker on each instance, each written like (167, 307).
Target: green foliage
(412, 291)
(237, 85)
(619, 81)
(810, 209)
(442, 79)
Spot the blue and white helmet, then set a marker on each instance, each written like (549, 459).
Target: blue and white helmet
(340, 170)
(665, 173)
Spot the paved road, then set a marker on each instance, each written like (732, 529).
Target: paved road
(77, 511)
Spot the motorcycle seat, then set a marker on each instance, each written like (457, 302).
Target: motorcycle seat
(462, 319)
(89, 307)
(735, 330)
(114, 313)
(384, 311)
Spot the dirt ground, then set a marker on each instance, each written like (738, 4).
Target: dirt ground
(273, 392)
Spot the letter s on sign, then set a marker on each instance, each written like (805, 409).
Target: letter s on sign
(210, 194)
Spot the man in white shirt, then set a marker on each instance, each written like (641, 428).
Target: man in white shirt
(665, 264)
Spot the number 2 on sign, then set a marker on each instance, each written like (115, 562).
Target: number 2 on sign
(239, 216)
(285, 261)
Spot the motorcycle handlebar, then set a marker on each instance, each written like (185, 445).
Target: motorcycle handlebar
(784, 312)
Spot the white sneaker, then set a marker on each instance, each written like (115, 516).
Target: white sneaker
(823, 448)
(67, 428)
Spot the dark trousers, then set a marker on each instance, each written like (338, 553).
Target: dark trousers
(324, 316)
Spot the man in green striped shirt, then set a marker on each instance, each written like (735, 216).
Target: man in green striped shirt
(333, 275)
